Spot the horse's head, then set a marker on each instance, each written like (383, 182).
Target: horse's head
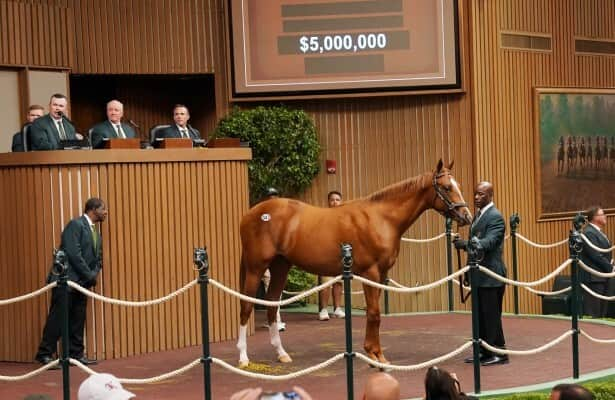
(448, 200)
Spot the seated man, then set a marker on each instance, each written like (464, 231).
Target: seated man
(34, 111)
(47, 133)
(113, 127)
(180, 128)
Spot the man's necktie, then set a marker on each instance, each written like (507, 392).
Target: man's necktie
(61, 130)
(185, 133)
(94, 236)
(120, 133)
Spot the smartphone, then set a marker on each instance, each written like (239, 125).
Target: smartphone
(280, 396)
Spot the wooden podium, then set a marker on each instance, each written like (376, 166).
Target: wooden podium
(174, 143)
(130, 143)
(224, 142)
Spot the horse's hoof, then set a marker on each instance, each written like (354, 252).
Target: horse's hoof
(243, 364)
(285, 358)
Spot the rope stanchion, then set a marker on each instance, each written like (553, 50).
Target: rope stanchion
(414, 367)
(127, 303)
(404, 289)
(29, 295)
(541, 246)
(533, 283)
(31, 374)
(433, 239)
(201, 263)
(593, 246)
(154, 379)
(271, 303)
(527, 352)
(346, 256)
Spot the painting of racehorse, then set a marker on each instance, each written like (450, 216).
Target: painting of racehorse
(575, 150)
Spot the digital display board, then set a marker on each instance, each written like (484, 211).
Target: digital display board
(297, 46)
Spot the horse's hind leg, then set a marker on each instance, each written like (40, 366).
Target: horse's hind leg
(251, 281)
(279, 272)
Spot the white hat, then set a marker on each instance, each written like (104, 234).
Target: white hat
(103, 387)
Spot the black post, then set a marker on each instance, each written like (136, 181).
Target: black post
(514, 223)
(575, 244)
(201, 261)
(349, 354)
(449, 261)
(473, 256)
(386, 297)
(60, 263)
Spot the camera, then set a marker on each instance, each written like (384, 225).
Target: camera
(280, 396)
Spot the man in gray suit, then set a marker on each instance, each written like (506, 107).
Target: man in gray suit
(601, 262)
(488, 230)
(113, 127)
(181, 128)
(47, 132)
(83, 247)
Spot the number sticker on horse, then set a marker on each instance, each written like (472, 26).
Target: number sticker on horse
(266, 217)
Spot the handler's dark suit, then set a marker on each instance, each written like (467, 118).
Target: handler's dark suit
(173, 132)
(84, 264)
(599, 261)
(44, 133)
(489, 228)
(106, 129)
(17, 145)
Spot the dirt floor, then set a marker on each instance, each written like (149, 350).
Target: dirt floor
(406, 339)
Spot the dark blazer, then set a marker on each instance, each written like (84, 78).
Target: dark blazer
(599, 261)
(490, 229)
(17, 142)
(106, 130)
(44, 133)
(173, 132)
(84, 261)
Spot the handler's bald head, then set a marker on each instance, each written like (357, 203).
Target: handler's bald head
(381, 386)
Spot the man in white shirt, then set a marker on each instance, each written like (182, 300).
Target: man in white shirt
(47, 133)
(113, 127)
(180, 128)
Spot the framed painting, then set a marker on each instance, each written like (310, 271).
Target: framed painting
(575, 150)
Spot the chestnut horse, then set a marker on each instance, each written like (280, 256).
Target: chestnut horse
(280, 233)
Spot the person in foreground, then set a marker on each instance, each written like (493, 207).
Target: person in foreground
(103, 387)
(381, 386)
(257, 393)
(82, 245)
(570, 391)
(487, 233)
(443, 385)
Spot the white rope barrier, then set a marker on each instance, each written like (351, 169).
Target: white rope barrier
(593, 246)
(541, 293)
(296, 374)
(131, 303)
(4, 378)
(154, 379)
(523, 284)
(593, 339)
(414, 367)
(456, 282)
(270, 303)
(29, 295)
(537, 350)
(599, 296)
(440, 236)
(411, 289)
(541, 246)
(595, 272)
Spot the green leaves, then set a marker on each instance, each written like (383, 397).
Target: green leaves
(284, 144)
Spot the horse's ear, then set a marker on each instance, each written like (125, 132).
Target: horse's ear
(439, 167)
(450, 166)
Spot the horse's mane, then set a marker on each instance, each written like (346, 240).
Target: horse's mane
(400, 188)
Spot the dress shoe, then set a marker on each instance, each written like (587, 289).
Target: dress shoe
(86, 361)
(493, 360)
(470, 360)
(44, 360)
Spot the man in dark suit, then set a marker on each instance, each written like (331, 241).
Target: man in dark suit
(34, 111)
(487, 231)
(113, 127)
(83, 247)
(47, 132)
(181, 128)
(601, 262)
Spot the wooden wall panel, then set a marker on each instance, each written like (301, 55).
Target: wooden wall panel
(502, 85)
(158, 212)
(144, 36)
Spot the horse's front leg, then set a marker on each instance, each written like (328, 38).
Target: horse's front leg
(372, 327)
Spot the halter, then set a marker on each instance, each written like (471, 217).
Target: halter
(439, 193)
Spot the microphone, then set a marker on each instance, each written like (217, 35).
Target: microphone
(62, 115)
(131, 122)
